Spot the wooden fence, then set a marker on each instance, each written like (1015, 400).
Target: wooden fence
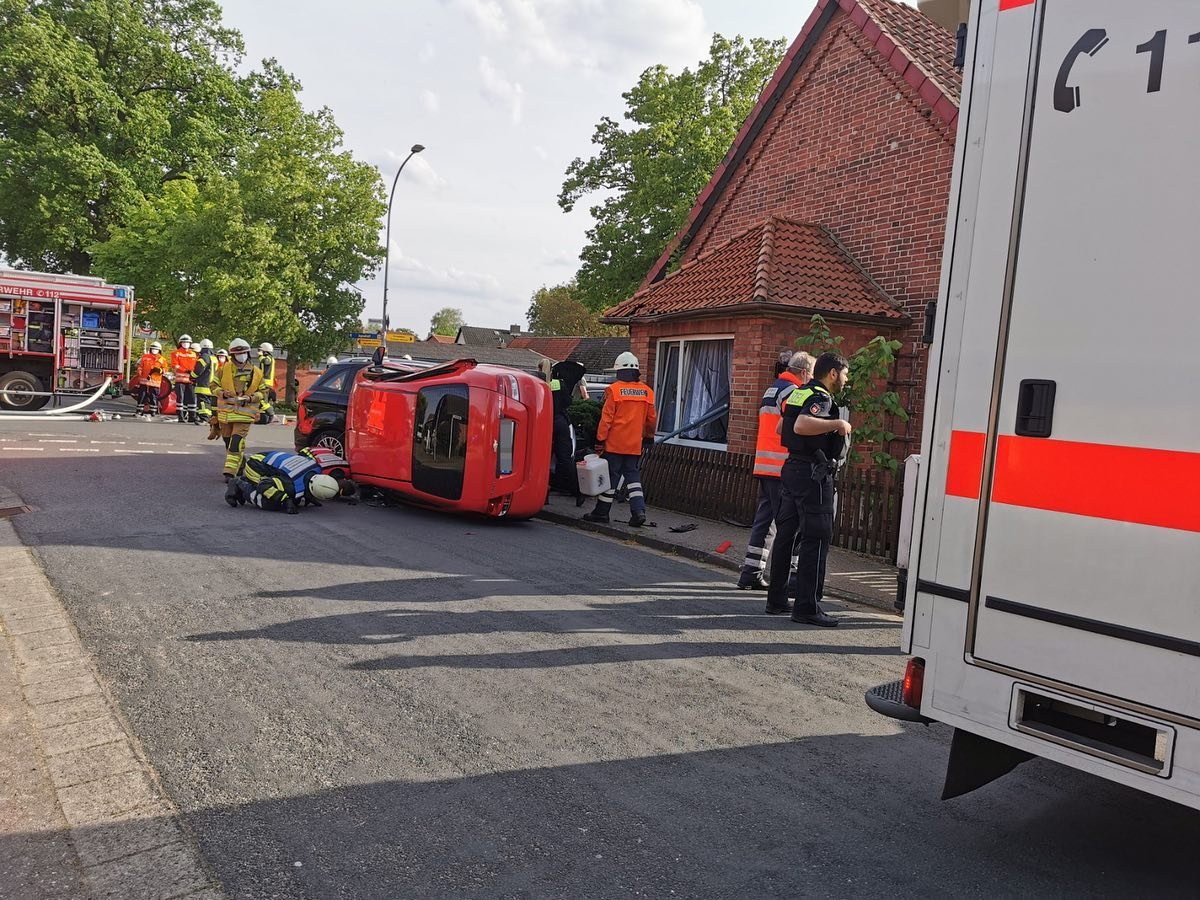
(719, 485)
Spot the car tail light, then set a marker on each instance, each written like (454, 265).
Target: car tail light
(509, 386)
(302, 421)
(504, 447)
(914, 682)
(499, 506)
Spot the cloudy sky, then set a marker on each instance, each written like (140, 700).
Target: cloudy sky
(503, 94)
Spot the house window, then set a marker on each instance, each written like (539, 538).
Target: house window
(692, 389)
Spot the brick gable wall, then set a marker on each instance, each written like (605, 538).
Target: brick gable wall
(853, 147)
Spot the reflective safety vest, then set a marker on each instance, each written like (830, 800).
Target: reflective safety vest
(769, 452)
(267, 364)
(203, 374)
(182, 363)
(294, 469)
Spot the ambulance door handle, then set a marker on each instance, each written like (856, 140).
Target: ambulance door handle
(1035, 408)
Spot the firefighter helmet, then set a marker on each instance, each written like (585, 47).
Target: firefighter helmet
(323, 487)
(626, 361)
(184, 339)
(266, 347)
(206, 344)
(156, 347)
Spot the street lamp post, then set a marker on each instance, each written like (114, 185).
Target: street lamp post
(416, 148)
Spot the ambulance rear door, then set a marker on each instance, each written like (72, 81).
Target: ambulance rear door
(1086, 566)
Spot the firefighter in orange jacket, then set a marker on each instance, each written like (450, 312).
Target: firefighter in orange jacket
(626, 426)
(183, 362)
(793, 370)
(150, 371)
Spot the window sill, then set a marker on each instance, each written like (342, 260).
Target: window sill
(703, 445)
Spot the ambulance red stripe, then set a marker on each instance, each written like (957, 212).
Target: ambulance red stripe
(1014, 4)
(1141, 485)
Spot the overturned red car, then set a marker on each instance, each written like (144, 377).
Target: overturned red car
(459, 437)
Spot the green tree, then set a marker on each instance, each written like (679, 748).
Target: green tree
(101, 103)
(269, 251)
(871, 404)
(649, 174)
(446, 320)
(557, 310)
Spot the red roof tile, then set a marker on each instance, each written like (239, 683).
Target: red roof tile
(555, 348)
(798, 266)
(915, 46)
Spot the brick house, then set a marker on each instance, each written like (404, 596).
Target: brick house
(831, 200)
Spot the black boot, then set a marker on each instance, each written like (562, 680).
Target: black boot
(599, 514)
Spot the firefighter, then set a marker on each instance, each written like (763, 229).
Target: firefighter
(815, 437)
(332, 361)
(282, 480)
(564, 379)
(237, 404)
(203, 379)
(151, 367)
(214, 423)
(626, 427)
(792, 370)
(183, 362)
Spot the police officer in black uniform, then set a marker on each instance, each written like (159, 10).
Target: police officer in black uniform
(564, 377)
(814, 436)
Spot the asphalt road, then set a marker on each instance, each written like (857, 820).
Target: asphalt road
(385, 702)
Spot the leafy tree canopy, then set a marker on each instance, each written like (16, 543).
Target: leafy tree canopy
(647, 175)
(447, 321)
(558, 310)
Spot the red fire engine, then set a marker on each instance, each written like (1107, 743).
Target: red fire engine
(60, 334)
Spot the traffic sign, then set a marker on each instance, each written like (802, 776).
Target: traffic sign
(401, 337)
(368, 342)
(359, 335)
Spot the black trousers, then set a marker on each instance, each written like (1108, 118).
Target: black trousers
(565, 478)
(805, 508)
(185, 399)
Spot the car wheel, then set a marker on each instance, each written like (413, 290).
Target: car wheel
(18, 391)
(330, 440)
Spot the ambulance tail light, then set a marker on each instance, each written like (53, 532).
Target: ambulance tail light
(914, 682)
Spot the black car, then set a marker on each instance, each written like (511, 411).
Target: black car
(321, 410)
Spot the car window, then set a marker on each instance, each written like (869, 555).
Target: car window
(335, 381)
(440, 440)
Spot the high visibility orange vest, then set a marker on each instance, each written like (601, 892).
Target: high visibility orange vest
(769, 452)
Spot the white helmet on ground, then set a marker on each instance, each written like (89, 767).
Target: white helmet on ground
(266, 347)
(206, 344)
(626, 361)
(156, 347)
(332, 361)
(323, 487)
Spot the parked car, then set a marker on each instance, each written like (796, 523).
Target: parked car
(321, 410)
(458, 437)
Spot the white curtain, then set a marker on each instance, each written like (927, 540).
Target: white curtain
(706, 371)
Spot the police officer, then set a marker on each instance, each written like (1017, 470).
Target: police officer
(814, 435)
(564, 378)
(792, 371)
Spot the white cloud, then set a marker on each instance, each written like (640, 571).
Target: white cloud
(425, 175)
(540, 152)
(488, 15)
(414, 273)
(610, 36)
(499, 88)
(430, 101)
(428, 52)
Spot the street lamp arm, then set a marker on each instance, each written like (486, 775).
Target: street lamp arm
(387, 250)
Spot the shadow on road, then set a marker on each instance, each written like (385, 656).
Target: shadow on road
(836, 815)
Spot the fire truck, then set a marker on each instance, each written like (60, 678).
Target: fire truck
(60, 334)
(1053, 593)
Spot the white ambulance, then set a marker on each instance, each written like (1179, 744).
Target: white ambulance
(1053, 599)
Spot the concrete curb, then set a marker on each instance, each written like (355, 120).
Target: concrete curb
(704, 556)
(128, 836)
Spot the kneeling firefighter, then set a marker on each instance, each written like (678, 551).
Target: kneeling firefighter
(237, 406)
(281, 480)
